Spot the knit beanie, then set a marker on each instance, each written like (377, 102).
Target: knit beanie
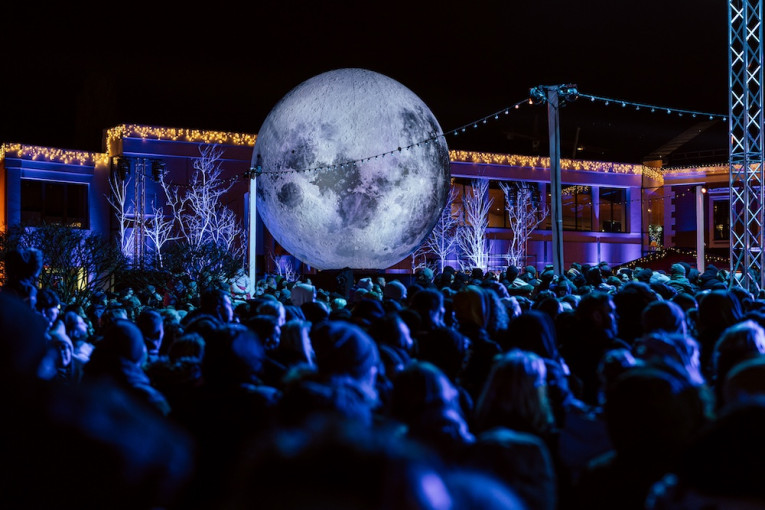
(663, 316)
(395, 290)
(425, 273)
(22, 338)
(124, 340)
(644, 275)
(677, 269)
(303, 293)
(23, 264)
(343, 348)
(614, 281)
(547, 276)
(22, 268)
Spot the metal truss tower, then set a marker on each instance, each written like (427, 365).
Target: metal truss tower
(746, 143)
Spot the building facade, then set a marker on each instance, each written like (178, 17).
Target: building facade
(611, 212)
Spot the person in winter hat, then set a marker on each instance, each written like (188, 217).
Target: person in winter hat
(678, 279)
(22, 269)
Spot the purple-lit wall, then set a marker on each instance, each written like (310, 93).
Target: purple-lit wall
(684, 234)
(179, 158)
(46, 164)
(578, 246)
(18, 168)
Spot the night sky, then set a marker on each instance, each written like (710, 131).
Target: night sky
(70, 73)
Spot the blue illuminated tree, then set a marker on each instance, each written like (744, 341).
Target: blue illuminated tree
(159, 231)
(525, 212)
(76, 262)
(124, 210)
(442, 240)
(471, 232)
(209, 244)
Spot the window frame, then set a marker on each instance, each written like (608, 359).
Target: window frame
(44, 212)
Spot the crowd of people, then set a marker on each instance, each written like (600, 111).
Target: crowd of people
(597, 388)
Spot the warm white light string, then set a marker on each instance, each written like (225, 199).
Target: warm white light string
(662, 252)
(253, 172)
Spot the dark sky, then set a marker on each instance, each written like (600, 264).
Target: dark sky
(69, 73)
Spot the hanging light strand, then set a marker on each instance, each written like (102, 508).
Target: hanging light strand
(653, 108)
(484, 120)
(666, 251)
(256, 171)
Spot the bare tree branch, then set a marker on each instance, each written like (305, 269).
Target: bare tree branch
(118, 200)
(160, 230)
(471, 233)
(525, 212)
(443, 238)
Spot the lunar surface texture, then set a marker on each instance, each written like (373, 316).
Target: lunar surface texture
(355, 171)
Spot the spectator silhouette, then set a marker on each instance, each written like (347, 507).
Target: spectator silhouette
(534, 331)
(345, 380)
(718, 310)
(120, 356)
(630, 301)
(83, 446)
(738, 343)
(472, 309)
(651, 416)
(594, 334)
(513, 406)
(428, 404)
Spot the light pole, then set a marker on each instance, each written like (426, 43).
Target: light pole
(256, 169)
(700, 190)
(555, 96)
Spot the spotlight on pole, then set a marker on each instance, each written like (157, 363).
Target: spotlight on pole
(568, 92)
(537, 96)
(258, 168)
(123, 168)
(157, 169)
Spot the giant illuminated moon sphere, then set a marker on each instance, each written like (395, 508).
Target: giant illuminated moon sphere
(355, 171)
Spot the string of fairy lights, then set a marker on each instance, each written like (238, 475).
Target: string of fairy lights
(653, 108)
(530, 162)
(114, 136)
(68, 157)
(580, 190)
(587, 191)
(258, 170)
(176, 134)
(665, 251)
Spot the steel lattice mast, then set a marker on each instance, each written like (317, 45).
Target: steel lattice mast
(746, 142)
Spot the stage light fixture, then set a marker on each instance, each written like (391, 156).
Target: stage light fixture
(157, 169)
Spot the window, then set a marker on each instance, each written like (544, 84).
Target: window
(62, 203)
(613, 209)
(721, 220)
(655, 236)
(497, 212)
(576, 207)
